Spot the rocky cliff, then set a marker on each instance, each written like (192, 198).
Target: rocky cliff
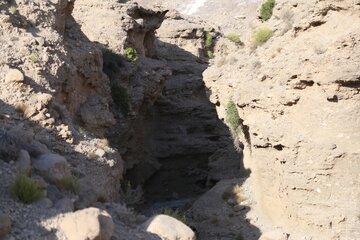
(297, 96)
(252, 138)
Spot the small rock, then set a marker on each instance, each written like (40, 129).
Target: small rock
(41, 182)
(238, 208)
(100, 152)
(5, 225)
(14, 75)
(23, 162)
(36, 148)
(169, 228)
(53, 193)
(45, 203)
(52, 167)
(90, 223)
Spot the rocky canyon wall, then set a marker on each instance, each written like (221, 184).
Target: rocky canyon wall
(298, 97)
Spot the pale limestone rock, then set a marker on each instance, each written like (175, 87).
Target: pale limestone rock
(14, 75)
(87, 224)
(169, 228)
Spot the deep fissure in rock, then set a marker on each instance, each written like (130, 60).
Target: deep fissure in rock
(182, 131)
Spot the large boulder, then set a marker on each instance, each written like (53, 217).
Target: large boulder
(53, 167)
(169, 228)
(5, 225)
(87, 224)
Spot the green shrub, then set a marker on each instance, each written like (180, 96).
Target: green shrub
(69, 183)
(209, 54)
(232, 116)
(208, 39)
(34, 58)
(179, 215)
(12, 9)
(262, 35)
(131, 54)
(26, 189)
(233, 37)
(208, 44)
(121, 99)
(266, 9)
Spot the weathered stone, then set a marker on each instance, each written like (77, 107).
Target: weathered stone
(87, 224)
(14, 75)
(100, 152)
(169, 228)
(52, 166)
(23, 162)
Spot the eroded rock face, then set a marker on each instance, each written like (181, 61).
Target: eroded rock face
(297, 96)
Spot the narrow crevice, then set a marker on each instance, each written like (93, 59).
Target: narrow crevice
(349, 84)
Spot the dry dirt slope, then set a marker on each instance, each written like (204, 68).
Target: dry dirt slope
(298, 96)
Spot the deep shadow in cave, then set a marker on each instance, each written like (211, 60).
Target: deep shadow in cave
(188, 148)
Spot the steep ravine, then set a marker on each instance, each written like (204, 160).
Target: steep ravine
(182, 129)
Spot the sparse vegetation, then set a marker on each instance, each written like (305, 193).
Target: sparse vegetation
(210, 54)
(12, 9)
(26, 189)
(232, 116)
(234, 37)
(131, 54)
(208, 39)
(121, 99)
(179, 215)
(266, 9)
(209, 44)
(262, 35)
(130, 195)
(69, 183)
(34, 58)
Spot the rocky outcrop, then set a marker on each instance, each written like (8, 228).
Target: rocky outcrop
(297, 98)
(128, 26)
